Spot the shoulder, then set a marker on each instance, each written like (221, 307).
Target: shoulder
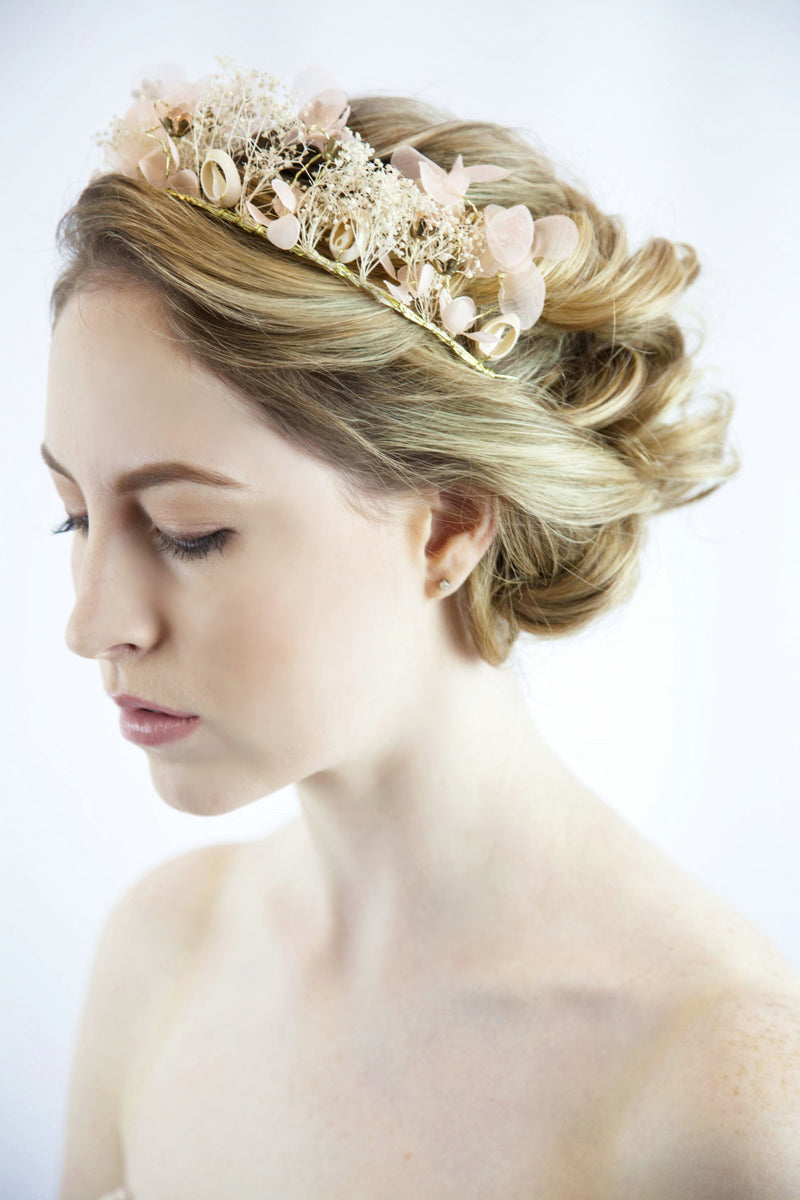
(158, 924)
(743, 1090)
(171, 900)
(719, 1113)
(152, 924)
(142, 943)
(713, 1109)
(161, 916)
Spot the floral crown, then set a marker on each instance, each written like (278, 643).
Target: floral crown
(250, 151)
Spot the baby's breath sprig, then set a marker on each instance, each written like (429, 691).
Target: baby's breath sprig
(246, 148)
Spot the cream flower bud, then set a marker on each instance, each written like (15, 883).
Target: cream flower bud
(342, 242)
(506, 328)
(219, 179)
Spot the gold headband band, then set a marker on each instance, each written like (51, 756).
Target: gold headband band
(241, 148)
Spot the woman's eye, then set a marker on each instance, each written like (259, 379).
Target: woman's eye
(177, 547)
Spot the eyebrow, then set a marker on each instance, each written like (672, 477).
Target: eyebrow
(154, 475)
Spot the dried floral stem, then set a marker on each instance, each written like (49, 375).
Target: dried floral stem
(408, 216)
(344, 272)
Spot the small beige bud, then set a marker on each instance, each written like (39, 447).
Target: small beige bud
(342, 242)
(506, 327)
(219, 179)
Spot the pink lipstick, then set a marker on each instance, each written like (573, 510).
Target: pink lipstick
(148, 724)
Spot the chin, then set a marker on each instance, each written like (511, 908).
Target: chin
(208, 791)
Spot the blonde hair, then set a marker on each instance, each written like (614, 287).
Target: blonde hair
(597, 434)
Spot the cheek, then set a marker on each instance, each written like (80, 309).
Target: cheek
(309, 638)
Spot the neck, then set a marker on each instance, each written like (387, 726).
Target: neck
(436, 845)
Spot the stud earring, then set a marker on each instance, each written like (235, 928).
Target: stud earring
(444, 583)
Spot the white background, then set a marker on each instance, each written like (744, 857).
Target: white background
(680, 709)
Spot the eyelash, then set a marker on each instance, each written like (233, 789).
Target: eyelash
(178, 547)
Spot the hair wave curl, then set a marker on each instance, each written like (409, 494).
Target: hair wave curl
(600, 432)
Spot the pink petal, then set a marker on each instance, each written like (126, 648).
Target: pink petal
(554, 237)
(260, 217)
(458, 178)
(183, 94)
(154, 167)
(141, 115)
(185, 181)
(324, 108)
(284, 232)
(331, 100)
(438, 185)
(336, 128)
(485, 173)
(488, 266)
(509, 235)
(458, 314)
(116, 162)
(388, 265)
(522, 292)
(400, 293)
(485, 339)
(284, 193)
(407, 161)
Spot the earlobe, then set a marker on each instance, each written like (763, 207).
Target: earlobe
(462, 528)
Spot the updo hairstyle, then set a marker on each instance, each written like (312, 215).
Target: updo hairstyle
(604, 428)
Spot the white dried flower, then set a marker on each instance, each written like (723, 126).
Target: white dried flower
(412, 237)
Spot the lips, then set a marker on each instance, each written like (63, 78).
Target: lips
(125, 701)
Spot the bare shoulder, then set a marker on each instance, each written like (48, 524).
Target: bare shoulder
(168, 913)
(142, 942)
(172, 899)
(714, 1103)
(161, 919)
(713, 1093)
(719, 1114)
(679, 934)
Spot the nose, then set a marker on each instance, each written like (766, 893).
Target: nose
(114, 605)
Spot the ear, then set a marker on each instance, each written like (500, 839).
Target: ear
(461, 529)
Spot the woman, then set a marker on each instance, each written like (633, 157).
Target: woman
(332, 433)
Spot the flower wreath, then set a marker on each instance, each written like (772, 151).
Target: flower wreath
(244, 147)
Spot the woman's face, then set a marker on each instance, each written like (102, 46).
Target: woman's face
(296, 642)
